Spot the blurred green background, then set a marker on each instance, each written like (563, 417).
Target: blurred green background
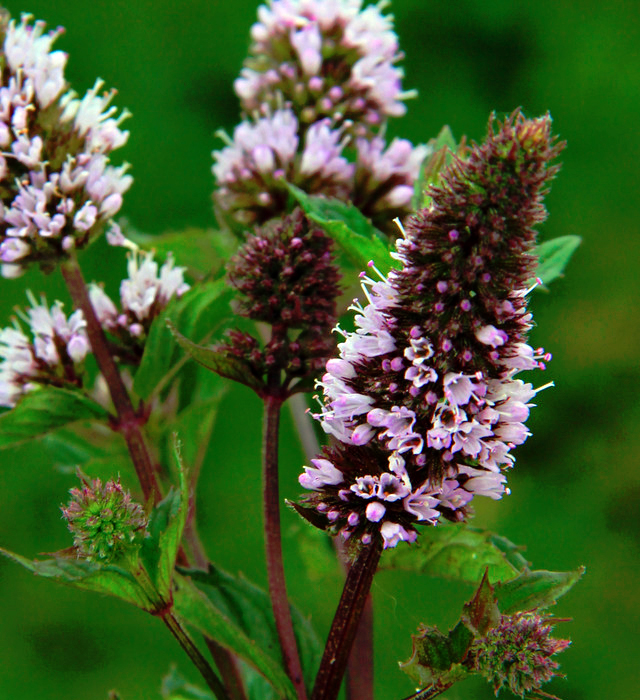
(576, 488)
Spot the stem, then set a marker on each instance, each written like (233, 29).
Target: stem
(275, 566)
(128, 421)
(431, 692)
(360, 663)
(185, 641)
(345, 622)
(228, 667)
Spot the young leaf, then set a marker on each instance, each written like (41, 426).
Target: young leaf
(250, 607)
(441, 150)
(458, 552)
(360, 240)
(436, 657)
(197, 313)
(535, 589)
(166, 524)
(198, 610)
(554, 255)
(80, 573)
(43, 410)
(219, 362)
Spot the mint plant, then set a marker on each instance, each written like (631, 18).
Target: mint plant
(411, 400)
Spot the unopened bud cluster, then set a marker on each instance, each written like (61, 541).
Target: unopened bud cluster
(57, 188)
(288, 279)
(104, 521)
(517, 654)
(423, 399)
(317, 90)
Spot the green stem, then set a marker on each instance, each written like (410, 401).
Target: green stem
(185, 641)
(129, 423)
(273, 544)
(345, 622)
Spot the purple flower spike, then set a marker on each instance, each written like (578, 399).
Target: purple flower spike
(424, 401)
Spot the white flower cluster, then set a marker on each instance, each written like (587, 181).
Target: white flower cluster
(58, 186)
(143, 295)
(51, 353)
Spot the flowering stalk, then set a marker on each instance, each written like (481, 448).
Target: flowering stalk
(273, 544)
(129, 422)
(345, 622)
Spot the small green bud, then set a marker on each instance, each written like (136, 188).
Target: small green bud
(517, 654)
(104, 521)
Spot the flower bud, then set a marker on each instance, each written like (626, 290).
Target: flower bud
(517, 654)
(105, 523)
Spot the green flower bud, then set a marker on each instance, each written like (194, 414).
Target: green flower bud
(104, 521)
(517, 654)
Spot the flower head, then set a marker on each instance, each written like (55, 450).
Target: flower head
(325, 59)
(423, 398)
(252, 172)
(517, 654)
(384, 178)
(58, 188)
(104, 521)
(143, 295)
(51, 354)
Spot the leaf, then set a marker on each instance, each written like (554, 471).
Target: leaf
(219, 362)
(535, 589)
(360, 240)
(176, 687)
(201, 251)
(554, 255)
(458, 552)
(200, 612)
(42, 411)
(436, 657)
(197, 313)
(250, 607)
(481, 613)
(441, 150)
(159, 551)
(80, 573)
(194, 424)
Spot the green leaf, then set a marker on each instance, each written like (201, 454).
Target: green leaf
(436, 657)
(198, 610)
(459, 552)
(198, 313)
(194, 424)
(441, 150)
(42, 411)
(481, 613)
(80, 573)
(219, 362)
(201, 251)
(250, 608)
(360, 240)
(554, 255)
(159, 551)
(535, 589)
(176, 687)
